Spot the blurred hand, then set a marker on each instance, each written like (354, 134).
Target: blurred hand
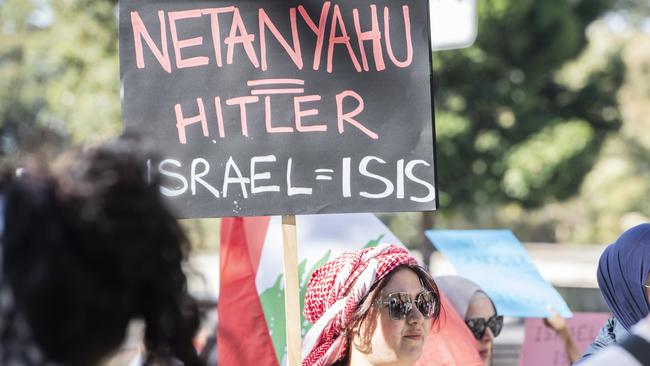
(559, 325)
(555, 321)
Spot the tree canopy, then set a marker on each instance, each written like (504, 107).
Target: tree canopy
(58, 72)
(509, 128)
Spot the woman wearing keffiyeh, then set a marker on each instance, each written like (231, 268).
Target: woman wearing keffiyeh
(371, 306)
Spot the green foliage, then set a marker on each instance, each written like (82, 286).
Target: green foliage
(614, 194)
(534, 163)
(58, 71)
(634, 11)
(508, 128)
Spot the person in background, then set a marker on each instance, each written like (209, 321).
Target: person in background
(559, 325)
(373, 306)
(624, 282)
(477, 309)
(88, 247)
(632, 351)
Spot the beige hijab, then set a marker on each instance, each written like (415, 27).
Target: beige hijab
(459, 291)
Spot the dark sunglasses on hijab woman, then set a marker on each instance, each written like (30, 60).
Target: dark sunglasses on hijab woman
(460, 292)
(479, 326)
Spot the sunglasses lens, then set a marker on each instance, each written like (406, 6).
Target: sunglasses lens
(399, 306)
(496, 324)
(426, 303)
(477, 326)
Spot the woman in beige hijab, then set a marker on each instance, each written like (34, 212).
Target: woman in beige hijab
(477, 309)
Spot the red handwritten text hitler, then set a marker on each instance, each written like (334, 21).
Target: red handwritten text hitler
(298, 125)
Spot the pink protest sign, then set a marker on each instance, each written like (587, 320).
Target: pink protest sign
(543, 347)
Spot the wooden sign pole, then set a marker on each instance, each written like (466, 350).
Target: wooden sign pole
(291, 290)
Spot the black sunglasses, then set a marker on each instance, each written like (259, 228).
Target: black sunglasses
(478, 326)
(400, 304)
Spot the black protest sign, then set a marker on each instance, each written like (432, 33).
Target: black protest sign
(283, 107)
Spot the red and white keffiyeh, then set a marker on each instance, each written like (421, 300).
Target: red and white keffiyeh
(334, 293)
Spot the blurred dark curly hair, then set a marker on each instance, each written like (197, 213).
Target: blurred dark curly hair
(90, 245)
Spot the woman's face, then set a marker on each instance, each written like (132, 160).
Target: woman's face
(481, 307)
(395, 342)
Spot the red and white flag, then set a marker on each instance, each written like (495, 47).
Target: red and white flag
(251, 329)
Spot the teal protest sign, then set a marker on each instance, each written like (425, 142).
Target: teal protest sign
(496, 261)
